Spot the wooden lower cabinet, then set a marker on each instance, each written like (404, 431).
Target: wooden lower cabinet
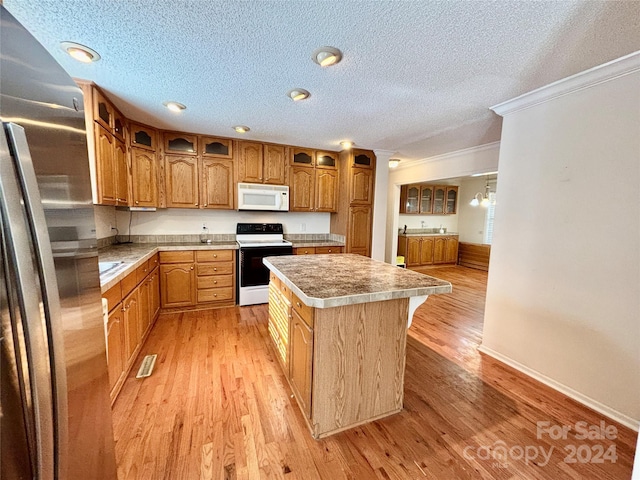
(130, 321)
(197, 279)
(428, 250)
(338, 387)
(300, 361)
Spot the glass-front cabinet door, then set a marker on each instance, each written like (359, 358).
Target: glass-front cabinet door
(426, 199)
(438, 200)
(142, 136)
(413, 197)
(185, 144)
(216, 147)
(452, 199)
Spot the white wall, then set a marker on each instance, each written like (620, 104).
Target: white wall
(175, 221)
(450, 222)
(105, 218)
(563, 297)
(471, 220)
(455, 164)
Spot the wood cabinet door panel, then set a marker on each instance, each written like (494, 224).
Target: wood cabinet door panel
(144, 178)
(325, 250)
(361, 186)
(300, 361)
(302, 189)
(426, 251)
(451, 250)
(123, 173)
(144, 137)
(144, 312)
(359, 238)
(105, 166)
(250, 162)
(439, 249)
(326, 190)
(102, 110)
(216, 147)
(426, 199)
(177, 285)
(180, 143)
(181, 181)
(413, 251)
(303, 157)
(217, 184)
(214, 255)
(222, 268)
(451, 200)
(115, 346)
(154, 294)
(131, 315)
(275, 165)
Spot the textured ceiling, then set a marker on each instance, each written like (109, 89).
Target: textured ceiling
(417, 78)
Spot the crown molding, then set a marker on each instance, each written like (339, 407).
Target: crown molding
(587, 79)
(446, 156)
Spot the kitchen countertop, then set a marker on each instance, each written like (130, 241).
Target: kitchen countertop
(325, 281)
(135, 254)
(428, 234)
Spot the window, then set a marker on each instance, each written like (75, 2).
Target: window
(488, 219)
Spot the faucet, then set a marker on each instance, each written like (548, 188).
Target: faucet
(421, 223)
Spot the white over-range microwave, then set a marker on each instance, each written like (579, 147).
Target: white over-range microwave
(256, 196)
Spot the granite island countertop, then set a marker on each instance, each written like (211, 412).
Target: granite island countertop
(325, 281)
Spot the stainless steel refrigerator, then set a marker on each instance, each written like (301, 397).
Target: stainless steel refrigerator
(55, 412)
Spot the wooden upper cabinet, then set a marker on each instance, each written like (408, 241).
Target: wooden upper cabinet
(303, 157)
(216, 188)
(275, 165)
(215, 147)
(123, 173)
(426, 199)
(409, 198)
(105, 166)
(361, 190)
(250, 162)
(103, 110)
(141, 136)
(363, 158)
(302, 189)
(326, 190)
(327, 160)
(181, 177)
(451, 200)
(180, 143)
(144, 176)
(119, 123)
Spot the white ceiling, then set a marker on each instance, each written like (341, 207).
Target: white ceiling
(417, 77)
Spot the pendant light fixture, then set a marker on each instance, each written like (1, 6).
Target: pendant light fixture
(481, 199)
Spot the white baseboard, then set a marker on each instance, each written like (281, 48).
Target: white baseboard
(619, 417)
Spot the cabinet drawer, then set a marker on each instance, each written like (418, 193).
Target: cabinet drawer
(274, 280)
(142, 271)
(215, 268)
(320, 250)
(113, 296)
(128, 284)
(176, 257)
(153, 262)
(305, 311)
(214, 255)
(285, 292)
(306, 251)
(215, 294)
(215, 281)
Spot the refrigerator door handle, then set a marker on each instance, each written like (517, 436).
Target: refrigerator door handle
(35, 229)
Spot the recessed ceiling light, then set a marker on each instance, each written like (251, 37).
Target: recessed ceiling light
(298, 94)
(241, 129)
(394, 162)
(346, 144)
(79, 52)
(326, 56)
(174, 106)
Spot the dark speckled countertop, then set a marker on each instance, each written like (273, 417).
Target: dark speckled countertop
(325, 281)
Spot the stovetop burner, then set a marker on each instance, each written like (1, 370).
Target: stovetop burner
(260, 235)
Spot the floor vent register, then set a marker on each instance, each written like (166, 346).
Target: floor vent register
(146, 368)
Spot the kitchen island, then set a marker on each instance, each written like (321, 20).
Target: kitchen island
(339, 327)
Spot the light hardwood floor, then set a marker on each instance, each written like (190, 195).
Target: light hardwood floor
(218, 406)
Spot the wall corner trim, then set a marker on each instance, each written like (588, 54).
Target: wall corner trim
(605, 410)
(586, 79)
(449, 155)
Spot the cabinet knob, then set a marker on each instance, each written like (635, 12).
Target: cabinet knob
(196, 204)
(215, 282)
(137, 202)
(215, 294)
(205, 205)
(298, 304)
(215, 269)
(191, 268)
(215, 255)
(330, 250)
